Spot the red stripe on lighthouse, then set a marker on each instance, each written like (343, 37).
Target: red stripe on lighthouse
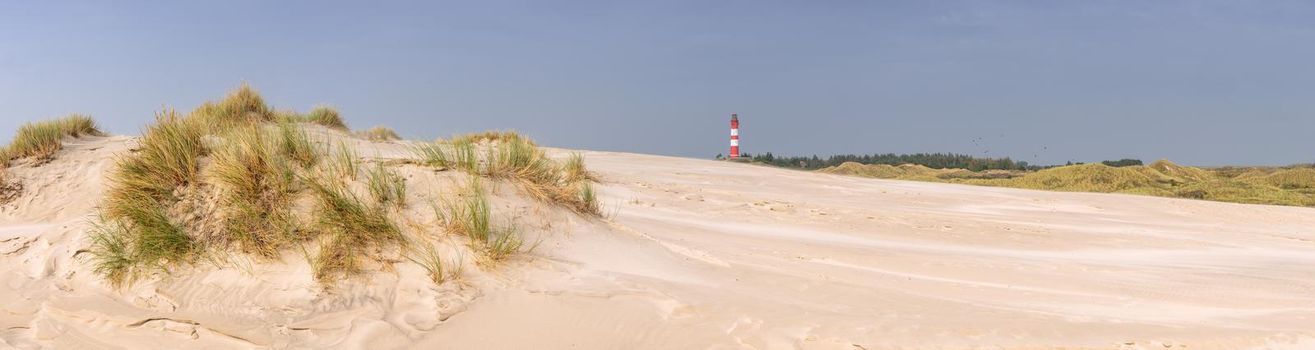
(735, 136)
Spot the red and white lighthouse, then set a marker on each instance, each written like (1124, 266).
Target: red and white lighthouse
(735, 136)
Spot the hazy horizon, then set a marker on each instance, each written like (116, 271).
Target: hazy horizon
(1197, 82)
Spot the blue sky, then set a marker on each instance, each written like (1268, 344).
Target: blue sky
(1198, 82)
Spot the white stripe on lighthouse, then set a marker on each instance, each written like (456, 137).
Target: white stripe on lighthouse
(735, 132)
(735, 142)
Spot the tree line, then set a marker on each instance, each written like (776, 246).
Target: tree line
(930, 160)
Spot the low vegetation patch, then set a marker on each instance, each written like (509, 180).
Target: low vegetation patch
(352, 227)
(41, 140)
(514, 158)
(471, 216)
(235, 176)
(256, 185)
(379, 133)
(386, 187)
(521, 161)
(438, 270)
(490, 136)
(1281, 186)
(326, 116)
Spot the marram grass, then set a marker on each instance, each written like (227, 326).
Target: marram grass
(41, 140)
(379, 133)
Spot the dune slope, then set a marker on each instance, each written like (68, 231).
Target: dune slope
(703, 254)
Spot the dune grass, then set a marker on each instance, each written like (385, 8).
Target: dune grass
(520, 160)
(41, 140)
(256, 185)
(167, 159)
(464, 156)
(432, 154)
(503, 242)
(326, 116)
(471, 216)
(145, 240)
(386, 187)
(489, 136)
(229, 178)
(345, 162)
(296, 145)
(351, 227)
(514, 158)
(435, 267)
(241, 106)
(575, 169)
(379, 133)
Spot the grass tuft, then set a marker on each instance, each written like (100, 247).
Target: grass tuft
(437, 270)
(167, 159)
(379, 133)
(296, 145)
(353, 229)
(41, 140)
(464, 156)
(326, 116)
(470, 215)
(242, 106)
(575, 169)
(345, 162)
(503, 242)
(490, 136)
(387, 187)
(256, 191)
(432, 154)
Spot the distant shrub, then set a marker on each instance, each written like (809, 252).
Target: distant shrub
(1122, 162)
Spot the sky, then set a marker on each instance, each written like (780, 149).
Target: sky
(1196, 82)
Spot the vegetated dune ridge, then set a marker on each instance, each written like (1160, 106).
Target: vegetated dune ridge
(702, 254)
(1294, 185)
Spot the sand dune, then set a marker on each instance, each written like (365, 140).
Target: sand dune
(700, 254)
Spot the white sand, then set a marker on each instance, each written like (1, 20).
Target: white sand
(700, 254)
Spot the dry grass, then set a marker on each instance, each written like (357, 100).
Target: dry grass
(351, 228)
(515, 158)
(296, 145)
(41, 140)
(136, 231)
(490, 136)
(242, 106)
(435, 267)
(326, 116)
(345, 162)
(575, 169)
(503, 242)
(379, 133)
(520, 160)
(256, 184)
(471, 216)
(433, 154)
(229, 175)
(167, 159)
(386, 187)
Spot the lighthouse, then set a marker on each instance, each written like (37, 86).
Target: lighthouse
(735, 136)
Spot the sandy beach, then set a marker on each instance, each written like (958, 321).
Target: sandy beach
(700, 254)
